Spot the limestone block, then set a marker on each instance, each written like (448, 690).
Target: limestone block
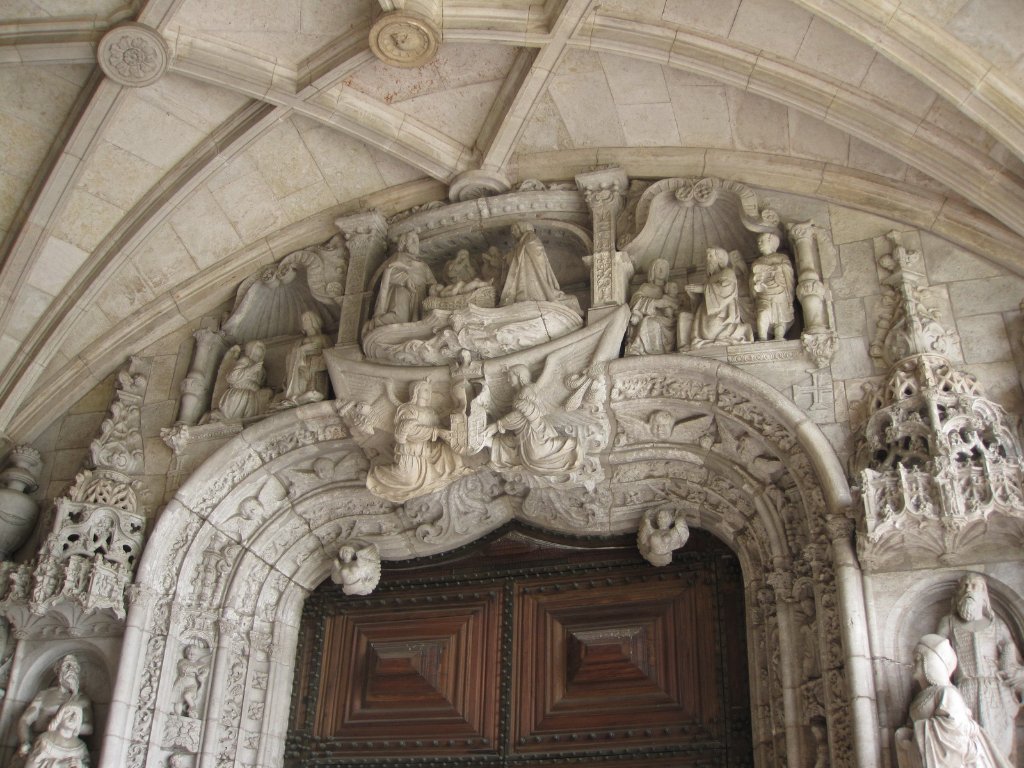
(649, 125)
(891, 83)
(199, 104)
(162, 260)
(851, 320)
(990, 294)
(758, 123)
(947, 117)
(984, 339)
(24, 146)
(79, 429)
(870, 158)
(390, 168)
(86, 220)
(347, 166)
(37, 95)
(579, 97)
(284, 161)
(995, 27)
(12, 190)
(251, 206)
(151, 133)
(8, 348)
(830, 51)
(702, 115)
(67, 462)
(810, 137)
(118, 176)
(28, 308)
(458, 112)
(545, 129)
(777, 26)
(714, 16)
(849, 225)
(55, 264)
(946, 262)
(634, 82)
(852, 360)
(125, 292)
(859, 276)
(97, 399)
(202, 230)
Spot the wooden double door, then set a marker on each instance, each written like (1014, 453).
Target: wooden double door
(522, 651)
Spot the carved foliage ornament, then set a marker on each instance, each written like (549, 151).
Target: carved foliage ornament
(133, 54)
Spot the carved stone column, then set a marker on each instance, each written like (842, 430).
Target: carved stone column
(366, 239)
(197, 387)
(861, 693)
(819, 340)
(610, 270)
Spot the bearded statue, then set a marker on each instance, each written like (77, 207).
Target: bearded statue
(989, 676)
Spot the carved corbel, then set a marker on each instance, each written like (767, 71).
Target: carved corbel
(610, 269)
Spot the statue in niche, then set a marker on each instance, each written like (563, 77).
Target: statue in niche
(771, 285)
(422, 461)
(524, 438)
(59, 746)
(307, 372)
(530, 277)
(653, 312)
(245, 395)
(662, 531)
(404, 284)
(357, 568)
(43, 708)
(719, 319)
(990, 676)
(942, 733)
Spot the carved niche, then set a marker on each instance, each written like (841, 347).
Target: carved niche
(939, 463)
(88, 560)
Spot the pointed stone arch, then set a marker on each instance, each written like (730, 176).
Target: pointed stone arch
(255, 529)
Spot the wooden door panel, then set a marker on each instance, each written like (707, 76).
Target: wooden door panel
(529, 658)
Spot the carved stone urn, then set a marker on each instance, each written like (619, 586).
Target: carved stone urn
(18, 510)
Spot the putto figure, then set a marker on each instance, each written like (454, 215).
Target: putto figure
(942, 733)
(357, 568)
(662, 531)
(771, 285)
(990, 675)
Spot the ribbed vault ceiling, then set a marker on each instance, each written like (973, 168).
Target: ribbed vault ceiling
(128, 213)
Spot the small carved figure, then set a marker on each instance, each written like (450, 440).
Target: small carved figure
(719, 319)
(524, 438)
(492, 266)
(662, 531)
(771, 285)
(990, 676)
(59, 746)
(422, 461)
(403, 286)
(307, 372)
(245, 394)
(192, 673)
(530, 277)
(357, 569)
(653, 311)
(942, 733)
(460, 277)
(44, 707)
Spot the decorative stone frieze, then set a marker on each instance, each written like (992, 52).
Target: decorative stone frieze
(133, 54)
(938, 462)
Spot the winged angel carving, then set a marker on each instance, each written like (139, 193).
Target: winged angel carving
(537, 415)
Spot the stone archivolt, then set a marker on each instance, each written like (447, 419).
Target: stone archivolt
(439, 433)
